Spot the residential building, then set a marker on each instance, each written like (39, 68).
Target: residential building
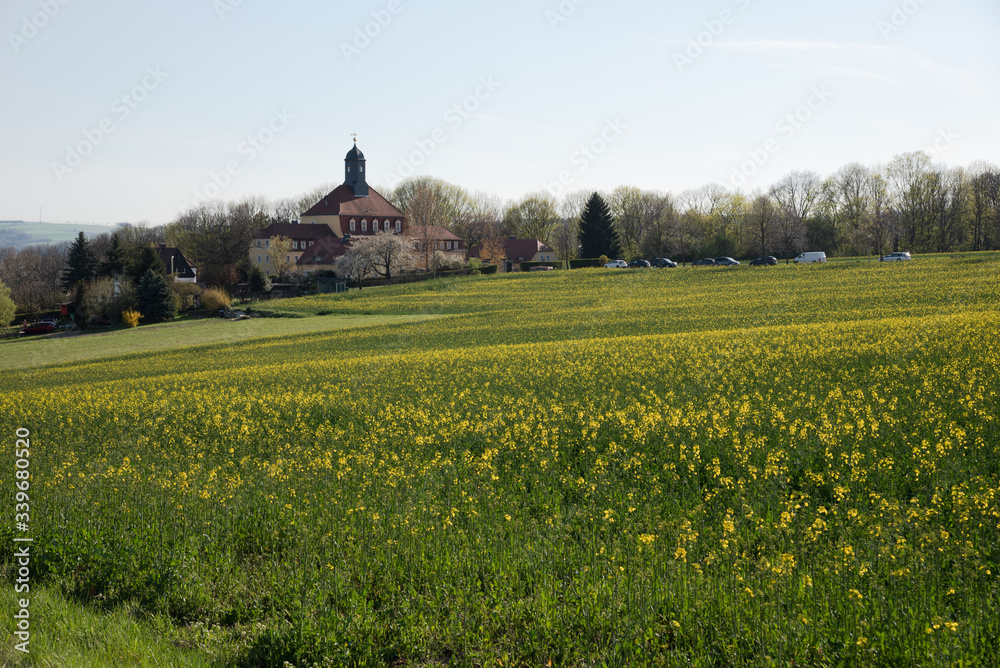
(430, 239)
(517, 251)
(184, 270)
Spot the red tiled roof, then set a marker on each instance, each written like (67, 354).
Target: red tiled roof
(433, 232)
(326, 250)
(342, 202)
(516, 248)
(296, 232)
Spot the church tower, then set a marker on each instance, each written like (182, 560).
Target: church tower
(354, 172)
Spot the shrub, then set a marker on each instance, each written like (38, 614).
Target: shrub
(488, 269)
(131, 318)
(526, 266)
(602, 261)
(100, 301)
(215, 299)
(586, 262)
(475, 263)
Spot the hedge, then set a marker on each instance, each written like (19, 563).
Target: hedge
(488, 269)
(587, 262)
(526, 266)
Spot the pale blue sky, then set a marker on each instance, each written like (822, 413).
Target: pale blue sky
(882, 77)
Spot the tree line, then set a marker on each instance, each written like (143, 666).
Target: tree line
(907, 204)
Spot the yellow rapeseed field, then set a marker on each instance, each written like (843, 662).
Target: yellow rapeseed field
(794, 466)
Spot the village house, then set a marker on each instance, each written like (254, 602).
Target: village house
(517, 251)
(183, 270)
(431, 239)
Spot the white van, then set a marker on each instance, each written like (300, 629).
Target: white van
(811, 256)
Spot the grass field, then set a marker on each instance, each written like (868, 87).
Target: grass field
(790, 466)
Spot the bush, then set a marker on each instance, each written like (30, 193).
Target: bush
(475, 263)
(215, 299)
(602, 261)
(488, 269)
(101, 303)
(526, 266)
(587, 262)
(131, 318)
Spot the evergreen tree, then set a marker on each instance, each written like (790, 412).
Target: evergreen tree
(598, 235)
(155, 298)
(114, 260)
(80, 262)
(147, 260)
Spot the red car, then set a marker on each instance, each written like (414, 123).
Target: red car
(43, 327)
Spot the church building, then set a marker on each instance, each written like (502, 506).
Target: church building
(354, 207)
(351, 210)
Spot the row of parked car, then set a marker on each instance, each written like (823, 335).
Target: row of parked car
(763, 261)
(723, 261)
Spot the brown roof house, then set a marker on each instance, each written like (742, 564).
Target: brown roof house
(517, 251)
(352, 209)
(431, 239)
(265, 254)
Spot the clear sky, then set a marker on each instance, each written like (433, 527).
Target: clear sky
(126, 110)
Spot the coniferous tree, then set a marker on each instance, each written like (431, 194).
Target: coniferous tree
(114, 260)
(80, 262)
(147, 260)
(598, 235)
(156, 300)
(258, 282)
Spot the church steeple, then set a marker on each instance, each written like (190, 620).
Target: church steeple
(354, 171)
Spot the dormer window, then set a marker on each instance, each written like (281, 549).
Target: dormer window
(352, 225)
(364, 225)
(387, 226)
(399, 226)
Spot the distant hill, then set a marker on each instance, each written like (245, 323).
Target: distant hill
(19, 233)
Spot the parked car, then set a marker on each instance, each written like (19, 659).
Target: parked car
(664, 263)
(726, 261)
(899, 256)
(767, 260)
(642, 264)
(704, 262)
(40, 327)
(809, 257)
(616, 264)
(542, 267)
